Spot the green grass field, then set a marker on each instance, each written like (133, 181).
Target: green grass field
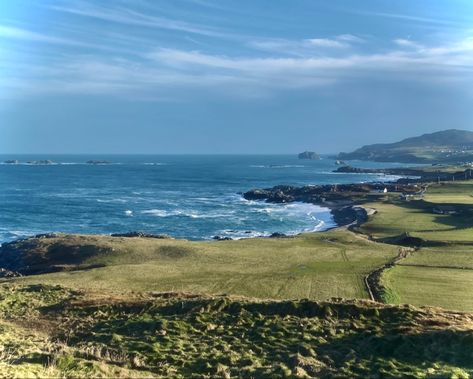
(458, 192)
(453, 256)
(434, 275)
(442, 287)
(314, 266)
(417, 217)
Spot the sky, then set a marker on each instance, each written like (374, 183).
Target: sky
(230, 76)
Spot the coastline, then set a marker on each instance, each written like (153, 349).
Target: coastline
(343, 201)
(345, 210)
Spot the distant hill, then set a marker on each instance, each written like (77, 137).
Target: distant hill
(452, 146)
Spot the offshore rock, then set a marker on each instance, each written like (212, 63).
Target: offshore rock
(309, 155)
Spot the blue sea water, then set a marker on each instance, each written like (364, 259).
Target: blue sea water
(194, 197)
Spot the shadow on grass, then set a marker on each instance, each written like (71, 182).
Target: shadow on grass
(450, 347)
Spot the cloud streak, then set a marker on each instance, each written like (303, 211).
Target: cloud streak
(305, 47)
(11, 32)
(126, 16)
(165, 71)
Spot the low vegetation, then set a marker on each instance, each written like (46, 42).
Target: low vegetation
(57, 332)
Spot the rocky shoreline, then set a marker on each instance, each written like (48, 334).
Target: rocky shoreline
(343, 200)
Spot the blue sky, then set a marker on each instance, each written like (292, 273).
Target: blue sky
(230, 76)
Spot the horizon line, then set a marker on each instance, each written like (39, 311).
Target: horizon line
(203, 154)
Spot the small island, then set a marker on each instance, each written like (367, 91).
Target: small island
(309, 155)
(41, 162)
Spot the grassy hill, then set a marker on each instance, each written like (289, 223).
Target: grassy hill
(102, 306)
(448, 146)
(315, 265)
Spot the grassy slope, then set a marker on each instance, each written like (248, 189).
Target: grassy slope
(315, 266)
(443, 287)
(459, 192)
(83, 334)
(436, 275)
(417, 218)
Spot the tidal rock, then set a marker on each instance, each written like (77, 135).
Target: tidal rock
(12, 161)
(278, 235)
(220, 238)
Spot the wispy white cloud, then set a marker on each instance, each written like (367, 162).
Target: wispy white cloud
(128, 16)
(325, 42)
(163, 71)
(16, 33)
(304, 47)
(22, 34)
(406, 43)
(405, 17)
(350, 38)
(418, 58)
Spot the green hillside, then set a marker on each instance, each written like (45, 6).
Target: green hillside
(448, 146)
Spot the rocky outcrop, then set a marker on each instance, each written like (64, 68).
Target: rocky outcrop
(341, 194)
(12, 161)
(340, 199)
(221, 238)
(48, 253)
(349, 215)
(141, 235)
(309, 155)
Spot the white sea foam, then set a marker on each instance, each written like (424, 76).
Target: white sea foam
(239, 234)
(115, 200)
(187, 213)
(160, 212)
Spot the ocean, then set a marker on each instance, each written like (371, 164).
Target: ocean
(186, 196)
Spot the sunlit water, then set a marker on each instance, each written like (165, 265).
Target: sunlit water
(194, 197)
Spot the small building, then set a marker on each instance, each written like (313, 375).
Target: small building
(384, 190)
